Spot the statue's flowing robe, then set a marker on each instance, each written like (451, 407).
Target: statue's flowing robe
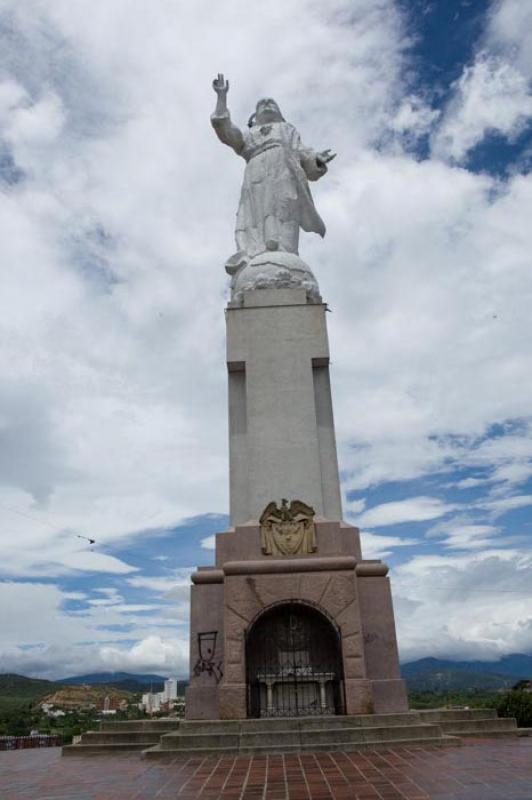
(275, 193)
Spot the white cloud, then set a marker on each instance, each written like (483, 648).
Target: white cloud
(110, 592)
(12, 96)
(491, 96)
(467, 536)
(493, 93)
(377, 546)
(470, 483)
(209, 543)
(414, 118)
(354, 507)
(34, 613)
(510, 31)
(174, 586)
(40, 637)
(167, 657)
(414, 509)
(32, 127)
(33, 547)
(151, 653)
(96, 562)
(113, 396)
(127, 324)
(115, 410)
(504, 504)
(464, 606)
(436, 351)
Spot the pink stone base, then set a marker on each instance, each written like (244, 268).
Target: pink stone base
(358, 697)
(232, 701)
(389, 696)
(201, 702)
(353, 594)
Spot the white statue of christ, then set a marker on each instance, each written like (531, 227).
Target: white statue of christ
(275, 201)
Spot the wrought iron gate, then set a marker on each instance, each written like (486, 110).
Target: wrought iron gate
(294, 664)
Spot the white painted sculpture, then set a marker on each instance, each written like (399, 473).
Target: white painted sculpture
(275, 201)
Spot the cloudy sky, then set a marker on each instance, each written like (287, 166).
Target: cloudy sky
(116, 216)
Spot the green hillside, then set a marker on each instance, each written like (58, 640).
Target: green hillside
(468, 674)
(18, 698)
(443, 680)
(17, 691)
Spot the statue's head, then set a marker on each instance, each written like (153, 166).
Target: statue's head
(266, 111)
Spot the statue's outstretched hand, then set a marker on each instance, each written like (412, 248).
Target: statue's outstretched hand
(220, 85)
(325, 156)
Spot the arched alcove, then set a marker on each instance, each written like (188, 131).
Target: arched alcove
(293, 663)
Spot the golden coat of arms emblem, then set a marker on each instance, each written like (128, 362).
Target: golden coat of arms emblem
(288, 530)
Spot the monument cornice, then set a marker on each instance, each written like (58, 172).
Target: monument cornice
(309, 564)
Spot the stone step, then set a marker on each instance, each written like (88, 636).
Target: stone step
(103, 749)
(160, 753)
(119, 737)
(343, 735)
(486, 734)
(480, 726)
(289, 723)
(193, 741)
(122, 736)
(296, 736)
(220, 726)
(446, 714)
(178, 738)
(361, 720)
(140, 724)
(369, 744)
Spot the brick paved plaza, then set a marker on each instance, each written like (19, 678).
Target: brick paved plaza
(480, 770)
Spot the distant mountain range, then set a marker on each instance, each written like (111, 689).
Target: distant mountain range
(435, 674)
(22, 688)
(426, 674)
(16, 689)
(113, 677)
(130, 681)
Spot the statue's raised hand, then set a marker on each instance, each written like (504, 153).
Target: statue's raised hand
(325, 156)
(220, 85)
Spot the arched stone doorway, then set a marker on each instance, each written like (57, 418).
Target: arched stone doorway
(294, 663)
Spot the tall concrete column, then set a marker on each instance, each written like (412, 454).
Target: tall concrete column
(281, 429)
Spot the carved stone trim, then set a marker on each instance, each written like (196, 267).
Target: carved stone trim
(372, 569)
(288, 530)
(207, 576)
(287, 565)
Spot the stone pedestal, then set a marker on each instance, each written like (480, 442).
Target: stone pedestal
(281, 428)
(302, 575)
(349, 592)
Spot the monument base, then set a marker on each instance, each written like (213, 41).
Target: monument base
(308, 634)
